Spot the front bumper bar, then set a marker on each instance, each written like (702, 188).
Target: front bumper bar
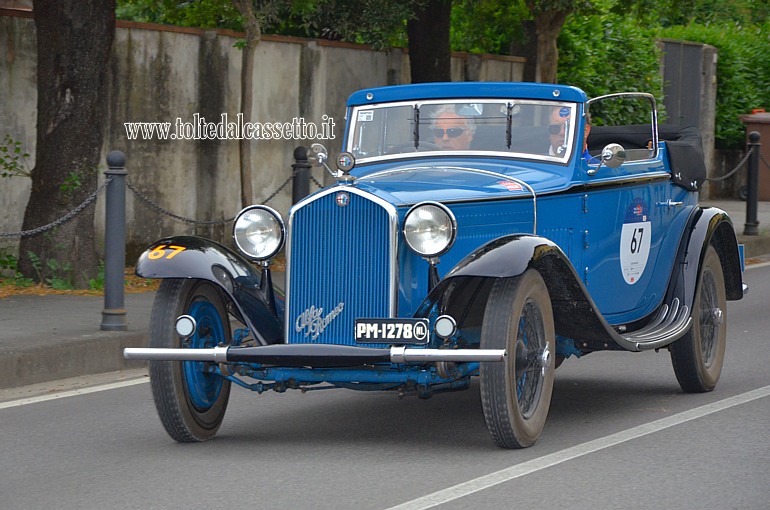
(315, 355)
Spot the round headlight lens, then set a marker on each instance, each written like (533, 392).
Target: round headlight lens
(258, 232)
(430, 229)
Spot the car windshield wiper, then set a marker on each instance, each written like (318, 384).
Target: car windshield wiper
(508, 122)
(416, 133)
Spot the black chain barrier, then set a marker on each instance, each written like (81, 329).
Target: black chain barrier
(64, 219)
(734, 170)
(146, 200)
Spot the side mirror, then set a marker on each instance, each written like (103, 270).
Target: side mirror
(317, 155)
(613, 155)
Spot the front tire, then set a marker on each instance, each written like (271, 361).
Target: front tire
(698, 356)
(516, 393)
(190, 398)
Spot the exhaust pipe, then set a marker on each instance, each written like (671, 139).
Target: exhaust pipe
(314, 355)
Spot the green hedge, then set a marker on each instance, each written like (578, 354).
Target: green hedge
(604, 54)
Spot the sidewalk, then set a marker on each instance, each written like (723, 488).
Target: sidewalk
(47, 338)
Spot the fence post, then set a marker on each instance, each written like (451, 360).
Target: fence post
(751, 227)
(114, 313)
(301, 184)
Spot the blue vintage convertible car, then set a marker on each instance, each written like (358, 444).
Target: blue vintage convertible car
(484, 230)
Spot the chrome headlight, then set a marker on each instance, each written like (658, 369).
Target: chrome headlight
(430, 229)
(259, 232)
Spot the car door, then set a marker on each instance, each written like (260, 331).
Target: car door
(633, 213)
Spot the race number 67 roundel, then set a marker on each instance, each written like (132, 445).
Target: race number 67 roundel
(635, 242)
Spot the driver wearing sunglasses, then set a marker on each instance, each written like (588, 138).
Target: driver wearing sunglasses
(452, 131)
(556, 130)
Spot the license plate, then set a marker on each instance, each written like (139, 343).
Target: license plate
(392, 331)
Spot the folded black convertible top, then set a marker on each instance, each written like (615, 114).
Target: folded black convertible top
(683, 146)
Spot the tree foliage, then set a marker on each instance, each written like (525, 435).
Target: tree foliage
(606, 53)
(380, 23)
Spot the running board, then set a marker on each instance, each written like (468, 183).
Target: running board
(668, 325)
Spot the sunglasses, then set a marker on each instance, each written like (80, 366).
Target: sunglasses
(555, 129)
(450, 132)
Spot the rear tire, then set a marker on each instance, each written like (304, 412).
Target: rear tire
(698, 356)
(516, 393)
(191, 399)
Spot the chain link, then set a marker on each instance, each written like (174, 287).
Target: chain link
(732, 172)
(39, 230)
(147, 200)
(315, 181)
(160, 209)
(280, 188)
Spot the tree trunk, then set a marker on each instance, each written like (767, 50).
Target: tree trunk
(74, 45)
(253, 36)
(527, 48)
(429, 50)
(548, 25)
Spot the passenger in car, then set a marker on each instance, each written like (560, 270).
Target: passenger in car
(556, 130)
(452, 131)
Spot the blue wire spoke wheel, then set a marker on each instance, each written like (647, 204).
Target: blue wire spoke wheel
(190, 396)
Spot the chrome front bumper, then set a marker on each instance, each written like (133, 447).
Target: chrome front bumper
(315, 355)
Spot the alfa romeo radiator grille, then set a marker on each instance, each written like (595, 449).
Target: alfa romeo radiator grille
(341, 266)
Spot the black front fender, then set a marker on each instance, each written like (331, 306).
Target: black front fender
(196, 257)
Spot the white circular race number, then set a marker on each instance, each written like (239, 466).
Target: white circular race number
(634, 250)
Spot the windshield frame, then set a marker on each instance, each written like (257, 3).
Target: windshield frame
(355, 124)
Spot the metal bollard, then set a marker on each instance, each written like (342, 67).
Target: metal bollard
(751, 227)
(301, 184)
(114, 313)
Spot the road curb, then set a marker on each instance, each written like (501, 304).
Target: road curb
(61, 359)
(755, 246)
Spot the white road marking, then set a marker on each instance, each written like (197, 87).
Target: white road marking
(72, 393)
(553, 459)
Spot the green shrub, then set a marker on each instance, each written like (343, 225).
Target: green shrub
(604, 53)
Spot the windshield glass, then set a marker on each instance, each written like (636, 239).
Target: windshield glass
(542, 130)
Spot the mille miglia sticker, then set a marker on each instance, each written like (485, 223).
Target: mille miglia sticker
(511, 185)
(635, 241)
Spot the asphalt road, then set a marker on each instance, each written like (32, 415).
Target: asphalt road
(620, 435)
